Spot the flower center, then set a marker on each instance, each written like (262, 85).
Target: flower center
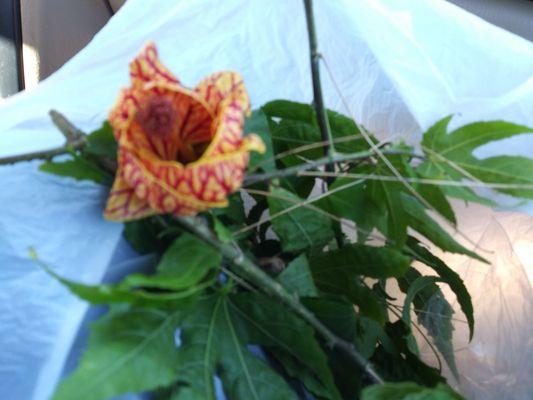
(157, 116)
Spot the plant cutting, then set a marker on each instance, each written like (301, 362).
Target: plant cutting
(279, 234)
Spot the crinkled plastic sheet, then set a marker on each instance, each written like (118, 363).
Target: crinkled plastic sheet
(399, 65)
(497, 364)
(63, 222)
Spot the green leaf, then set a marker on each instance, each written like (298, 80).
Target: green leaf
(269, 323)
(297, 278)
(347, 199)
(357, 259)
(258, 123)
(368, 333)
(129, 351)
(353, 203)
(301, 186)
(222, 232)
(409, 391)
(290, 134)
(77, 168)
(102, 142)
(292, 110)
(448, 276)
(465, 139)
(436, 198)
(185, 393)
(213, 341)
(397, 221)
(300, 228)
(81, 167)
(505, 169)
(303, 117)
(451, 153)
(435, 315)
(334, 312)
(234, 212)
(424, 224)
(146, 236)
(414, 288)
(295, 369)
(136, 290)
(354, 289)
(397, 361)
(339, 272)
(187, 261)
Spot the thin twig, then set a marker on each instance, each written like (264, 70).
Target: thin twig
(67, 128)
(301, 149)
(43, 155)
(329, 160)
(422, 181)
(75, 140)
(245, 268)
(418, 310)
(296, 204)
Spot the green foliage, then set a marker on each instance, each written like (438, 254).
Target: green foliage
(409, 391)
(258, 123)
(340, 272)
(78, 168)
(138, 290)
(102, 142)
(357, 259)
(187, 261)
(450, 156)
(147, 236)
(213, 342)
(434, 313)
(397, 359)
(298, 228)
(258, 346)
(84, 165)
(297, 278)
(130, 350)
(293, 124)
(448, 276)
(270, 324)
(182, 275)
(421, 222)
(336, 313)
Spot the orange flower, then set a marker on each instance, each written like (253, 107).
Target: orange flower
(181, 151)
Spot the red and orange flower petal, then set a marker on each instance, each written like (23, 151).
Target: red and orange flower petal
(170, 187)
(123, 204)
(123, 111)
(220, 86)
(170, 123)
(228, 125)
(146, 68)
(165, 185)
(180, 151)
